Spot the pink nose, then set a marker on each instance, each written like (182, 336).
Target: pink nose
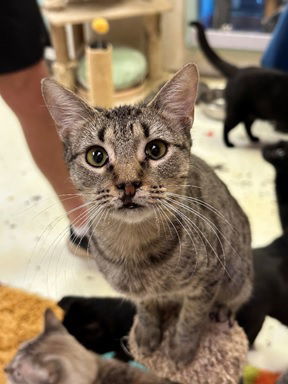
(129, 188)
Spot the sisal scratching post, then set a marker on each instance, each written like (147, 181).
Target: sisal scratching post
(219, 359)
(99, 67)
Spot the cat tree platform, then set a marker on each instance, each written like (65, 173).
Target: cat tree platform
(77, 14)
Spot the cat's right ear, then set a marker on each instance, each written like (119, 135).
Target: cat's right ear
(51, 323)
(67, 109)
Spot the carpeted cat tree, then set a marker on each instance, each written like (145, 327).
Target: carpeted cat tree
(219, 359)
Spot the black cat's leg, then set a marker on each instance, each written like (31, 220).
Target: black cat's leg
(251, 319)
(148, 331)
(248, 125)
(229, 124)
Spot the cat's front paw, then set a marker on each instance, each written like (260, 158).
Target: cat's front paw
(182, 351)
(148, 339)
(222, 314)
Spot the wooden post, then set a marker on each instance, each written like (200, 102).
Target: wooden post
(152, 27)
(99, 74)
(63, 68)
(59, 41)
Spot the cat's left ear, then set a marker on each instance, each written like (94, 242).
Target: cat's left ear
(67, 109)
(177, 97)
(51, 323)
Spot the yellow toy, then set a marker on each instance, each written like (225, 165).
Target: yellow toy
(100, 26)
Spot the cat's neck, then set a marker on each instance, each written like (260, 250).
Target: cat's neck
(124, 238)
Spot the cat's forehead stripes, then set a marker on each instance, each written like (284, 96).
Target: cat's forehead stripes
(123, 112)
(126, 122)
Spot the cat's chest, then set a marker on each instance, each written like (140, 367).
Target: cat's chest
(145, 275)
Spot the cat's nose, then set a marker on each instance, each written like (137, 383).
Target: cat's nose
(129, 188)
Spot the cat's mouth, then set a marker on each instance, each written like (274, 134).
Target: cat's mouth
(131, 205)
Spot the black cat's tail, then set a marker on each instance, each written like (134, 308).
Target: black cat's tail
(228, 70)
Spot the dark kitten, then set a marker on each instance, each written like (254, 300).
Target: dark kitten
(277, 155)
(100, 324)
(55, 357)
(270, 294)
(251, 93)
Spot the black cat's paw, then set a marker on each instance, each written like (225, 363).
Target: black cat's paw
(183, 351)
(229, 144)
(254, 139)
(148, 339)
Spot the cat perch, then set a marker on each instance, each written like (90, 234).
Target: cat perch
(61, 14)
(219, 360)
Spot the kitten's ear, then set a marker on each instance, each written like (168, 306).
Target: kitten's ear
(67, 110)
(51, 323)
(177, 97)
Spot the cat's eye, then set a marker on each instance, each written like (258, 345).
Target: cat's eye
(156, 149)
(97, 156)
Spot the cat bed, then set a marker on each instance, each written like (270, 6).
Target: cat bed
(219, 359)
(21, 318)
(129, 68)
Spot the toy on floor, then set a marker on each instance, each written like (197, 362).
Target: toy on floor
(219, 358)
(55, 357)
(251, 93)
(270, 294)
(252, 375)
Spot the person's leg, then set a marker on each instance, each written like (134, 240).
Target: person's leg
(21, 91)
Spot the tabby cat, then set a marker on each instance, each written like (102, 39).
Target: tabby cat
(55, 357)
(163, 227)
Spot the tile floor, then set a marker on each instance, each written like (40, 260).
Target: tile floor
(33, 253)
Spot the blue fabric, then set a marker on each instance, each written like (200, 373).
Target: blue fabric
(276, 54)
(206, 9)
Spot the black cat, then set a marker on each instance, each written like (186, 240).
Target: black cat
(277, 155)
(251, 93)
(270, 295)
(99, 324)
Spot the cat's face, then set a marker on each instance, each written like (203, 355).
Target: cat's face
(123, 159)
(277, 155)
(54, 357)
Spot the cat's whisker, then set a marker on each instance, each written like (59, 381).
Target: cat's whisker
(163, 221)
(183, 185)
(93, 211)
(188, 220)
(170, 207)
(53, 224)
(211, 225)
(204, 204)
(65, 232)
(171, 222)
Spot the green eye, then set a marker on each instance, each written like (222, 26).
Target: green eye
(97, 156)
(156, 149)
